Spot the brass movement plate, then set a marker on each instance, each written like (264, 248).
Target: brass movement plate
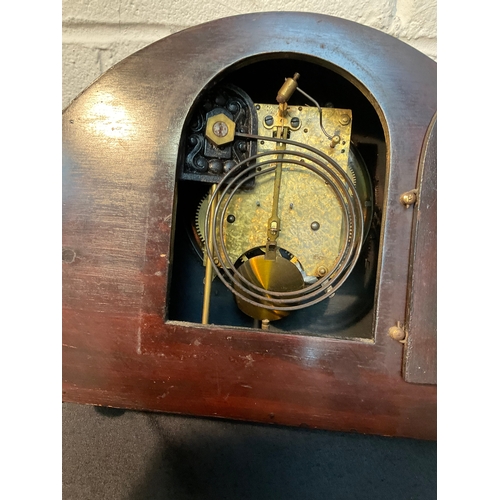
(305, 199)
(309, 130)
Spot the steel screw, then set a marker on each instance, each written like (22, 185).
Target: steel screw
(322, 270)
(220, 129)
(268, 120)
(295, 122)
(315, 225)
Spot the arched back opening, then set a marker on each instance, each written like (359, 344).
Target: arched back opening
(349, 313)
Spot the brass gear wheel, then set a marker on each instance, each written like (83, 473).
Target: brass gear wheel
(199, 218)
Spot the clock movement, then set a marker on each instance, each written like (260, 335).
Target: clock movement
(277, 202)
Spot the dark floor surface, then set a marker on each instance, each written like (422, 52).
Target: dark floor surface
(129, 455)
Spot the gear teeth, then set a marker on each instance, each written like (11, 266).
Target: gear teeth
(353, 175)
(199, 222)
(351, 168)
(199, 219)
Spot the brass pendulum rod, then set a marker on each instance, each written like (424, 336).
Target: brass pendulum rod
(274, 222)
(208, 263)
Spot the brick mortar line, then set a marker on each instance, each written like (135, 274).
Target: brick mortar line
(116, 34)
(91, 24)
(106, 33)
(68, 27)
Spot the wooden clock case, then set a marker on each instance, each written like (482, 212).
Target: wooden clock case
(120, 348)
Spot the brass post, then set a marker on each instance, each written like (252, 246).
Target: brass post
(208, 265)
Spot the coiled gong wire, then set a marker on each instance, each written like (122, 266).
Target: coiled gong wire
(352, 212)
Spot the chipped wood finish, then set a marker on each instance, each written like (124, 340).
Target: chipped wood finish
(119, 194)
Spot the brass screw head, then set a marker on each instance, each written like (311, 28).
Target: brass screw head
(345, 119)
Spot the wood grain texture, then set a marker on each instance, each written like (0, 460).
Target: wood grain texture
(119, 207)
(421, 346)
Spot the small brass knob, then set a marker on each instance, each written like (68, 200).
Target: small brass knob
(396, 332)
(409, 198)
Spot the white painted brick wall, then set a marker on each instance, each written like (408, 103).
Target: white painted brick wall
(99, 33)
